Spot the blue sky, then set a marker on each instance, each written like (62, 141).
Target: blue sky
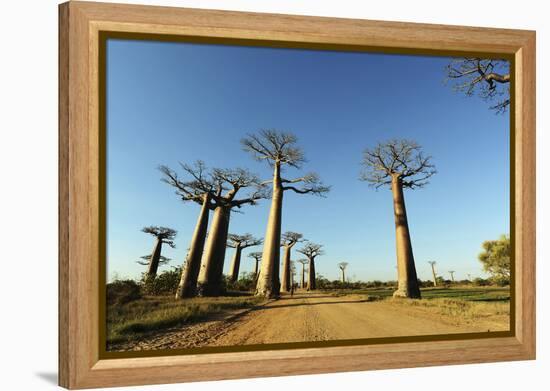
(171, 102)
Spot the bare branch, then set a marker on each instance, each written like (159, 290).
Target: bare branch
(165, 234)
(397, 158)
(243, 241)
(311, 250)
(482, 77)
(275, 147)
(290, 238)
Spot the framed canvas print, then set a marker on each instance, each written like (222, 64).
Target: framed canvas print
(247, 195)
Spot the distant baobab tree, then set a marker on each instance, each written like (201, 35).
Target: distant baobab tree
(304, 262)
(146, 260)
(434, 275)
(342, 266)
(198, 188)
(469, 277)
(289, 239)
(311, 251)
(162, 235)
(452, 273)
(239, 243)
(257, 256)
(227, 183)
(278, 149)
(488, 78)
(400, 164)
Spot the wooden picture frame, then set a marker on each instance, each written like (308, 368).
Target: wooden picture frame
(80, 189)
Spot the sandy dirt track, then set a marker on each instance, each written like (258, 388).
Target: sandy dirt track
(314, 317)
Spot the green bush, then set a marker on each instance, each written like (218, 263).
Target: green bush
(246, 283)
(122, 291)
(165, 283)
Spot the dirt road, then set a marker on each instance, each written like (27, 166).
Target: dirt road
(317, 317)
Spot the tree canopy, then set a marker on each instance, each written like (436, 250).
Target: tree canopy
(311, 250)
(165, 234)
(242, 241)
(487, 78)
(401, 158)
(162, 260)
(495, 257)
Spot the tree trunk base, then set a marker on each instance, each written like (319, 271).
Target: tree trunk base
(403, 294)
(209, 290)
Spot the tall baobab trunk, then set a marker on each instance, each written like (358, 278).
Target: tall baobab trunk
(434, 275)
(343, 277)
(311, 285)
(210, 275)
(188, 282)
(285, 281)
(303, 282)
(268, 281)
(256, 262)
(407, 282)
(235, 264)
(154, 261)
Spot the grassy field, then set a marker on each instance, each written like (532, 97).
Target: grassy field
(482, 294)
(144, 316)
(466, 305)
(149, 314)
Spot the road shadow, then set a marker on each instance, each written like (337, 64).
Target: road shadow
(48, 377)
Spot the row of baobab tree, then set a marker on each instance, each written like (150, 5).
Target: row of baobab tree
(397, 164)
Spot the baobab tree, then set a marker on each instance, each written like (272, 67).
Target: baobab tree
(311, 251)
(289, 239)
(257, 256)
(163, 235)
(278, 149)
(452, 273)
(342, 266)
(198, 188)
(488, 78)
(434, 275)
(227, 183)
(239, 243)
(147, 258)
(304, 262)
(399, 164)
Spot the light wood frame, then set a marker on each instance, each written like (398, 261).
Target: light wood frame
(80, 365)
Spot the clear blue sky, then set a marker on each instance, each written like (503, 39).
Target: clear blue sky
(171, 102)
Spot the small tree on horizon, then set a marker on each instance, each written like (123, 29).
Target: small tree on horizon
(288, 240)
(434, 274)
(163, 235)
(342, 266)
(311, 251)
(304, 262)
(496, 258)
(239, 243)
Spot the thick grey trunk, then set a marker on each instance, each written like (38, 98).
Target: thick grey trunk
(210, 275)
(268, 281)
(285, 281)
(303, 282)
(188, 282)
(407, 282)
(343, 277)
(154, 261)
(311, 285)
(235, 264)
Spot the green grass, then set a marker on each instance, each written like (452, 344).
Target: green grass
(144, 316)
(482, 294)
